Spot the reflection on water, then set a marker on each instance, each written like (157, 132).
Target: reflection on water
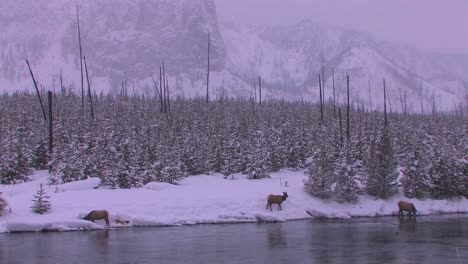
(276, 237)
(407, 224)
(440, 239)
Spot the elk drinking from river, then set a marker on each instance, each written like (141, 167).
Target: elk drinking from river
(406, 206)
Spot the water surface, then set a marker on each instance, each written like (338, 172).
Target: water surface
(424, 239)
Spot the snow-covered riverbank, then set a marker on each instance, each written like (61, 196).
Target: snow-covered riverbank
(197, 200)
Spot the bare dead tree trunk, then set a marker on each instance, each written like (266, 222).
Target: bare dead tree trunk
(208, 72)
(254, 89)
(348, 107)
(90, 96)
(156, 87)
(402, 101)
(81, 59)
(385, 103)
(164, 88)
(341, 128)
(370, 97)
(62, 89)
(161, 89)
(37, 91)
(51, 131)
(421, 93)
(321, 101)
(405, 103)
(323, 80)
(125, 85)
(260, 89)
(168, 97)
(334, 100)
(466, 101)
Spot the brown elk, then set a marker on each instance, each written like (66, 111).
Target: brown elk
(406, 206)
(3, 204)
(276, 199)
(98, 215)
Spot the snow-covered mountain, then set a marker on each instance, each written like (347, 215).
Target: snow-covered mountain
(289, 58)
(121, 40)
(128, 41)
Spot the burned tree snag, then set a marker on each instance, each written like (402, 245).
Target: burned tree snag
(208, 71)
(90, 96)
(37, 91)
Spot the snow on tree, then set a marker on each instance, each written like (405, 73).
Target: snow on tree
(16, 159)
(41, 201)
(130, 141)
(443, 178)
(382, 168)
(462, 172)
(414, 178)
(346, 189)
(256, 167)
(170, 174)
(126, 171)
(321, 176)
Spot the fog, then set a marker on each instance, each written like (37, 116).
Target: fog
(430, 25)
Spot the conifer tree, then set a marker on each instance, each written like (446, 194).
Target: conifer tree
(414, 178)
(41, 201)
(16, 159)
(346, 189)
(443, 178)
(170, 174)
(320, 176)
(382, 170)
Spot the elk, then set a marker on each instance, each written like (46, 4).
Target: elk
(406, 206)
(98, 215)
(3, 204)
(276, 199)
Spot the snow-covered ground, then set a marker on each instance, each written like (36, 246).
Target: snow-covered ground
(196, 200)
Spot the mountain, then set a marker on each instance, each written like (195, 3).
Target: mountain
(289, 58)
(126, 41)
(121, 40)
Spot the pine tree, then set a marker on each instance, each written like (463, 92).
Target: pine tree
(444, 181)
(346, 189)
(321, 176)
(382, 170)
(462, 173)
(16, 159)
(126, 172)
(41, 202)
(257, 167)
(170, 174)
(414, 178)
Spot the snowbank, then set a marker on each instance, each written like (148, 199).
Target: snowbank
(90, 183)
(196, 200)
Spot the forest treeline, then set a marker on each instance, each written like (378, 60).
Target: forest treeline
(131, 140)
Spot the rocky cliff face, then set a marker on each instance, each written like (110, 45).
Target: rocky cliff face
(127, 40)
(120, 39)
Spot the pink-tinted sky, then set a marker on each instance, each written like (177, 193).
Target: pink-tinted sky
(435, 25)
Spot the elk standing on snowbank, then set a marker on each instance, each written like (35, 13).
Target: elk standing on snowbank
(276, 199)
(98, 215)
(405, 206)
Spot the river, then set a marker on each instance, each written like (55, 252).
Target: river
(424, 239)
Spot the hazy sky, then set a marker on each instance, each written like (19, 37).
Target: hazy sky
(435, 25)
